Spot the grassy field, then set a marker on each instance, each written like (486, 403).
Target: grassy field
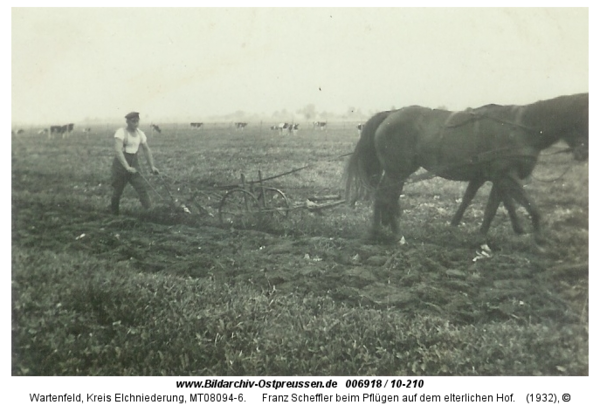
(166, 292)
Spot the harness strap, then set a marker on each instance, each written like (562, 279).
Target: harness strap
(475, 116)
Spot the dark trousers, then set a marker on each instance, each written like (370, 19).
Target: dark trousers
(120, 178)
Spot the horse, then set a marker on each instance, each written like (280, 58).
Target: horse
(495, 143)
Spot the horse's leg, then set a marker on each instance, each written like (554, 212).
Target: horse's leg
(378, 211)
(470, 193)
(386, 209)
(393, 209)
(376, 227)
(491, 208)
(513, 188)
(510, 206)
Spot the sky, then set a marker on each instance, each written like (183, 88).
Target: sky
(80, 64)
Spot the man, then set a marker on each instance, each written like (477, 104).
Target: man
(125, 167)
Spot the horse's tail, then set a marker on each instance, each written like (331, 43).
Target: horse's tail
(363, 170)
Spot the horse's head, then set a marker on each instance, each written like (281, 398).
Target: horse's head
(580, 151)
(577, 136)
(578, 139)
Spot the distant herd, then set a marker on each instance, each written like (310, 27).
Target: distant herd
(282, 128)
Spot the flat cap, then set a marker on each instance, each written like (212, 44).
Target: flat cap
(132, 115)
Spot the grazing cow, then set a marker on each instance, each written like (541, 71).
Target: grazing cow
(42, 131)
(240, 125)
(196, 125)
(63, 130)
(155, 128)
(289, 128)
(55, 129)
(281, 128)
(86, 129)
(319, 125)
(293, 128)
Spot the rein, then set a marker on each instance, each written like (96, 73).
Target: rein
(567, 170)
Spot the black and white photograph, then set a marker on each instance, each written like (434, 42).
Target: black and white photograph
(287, 192)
